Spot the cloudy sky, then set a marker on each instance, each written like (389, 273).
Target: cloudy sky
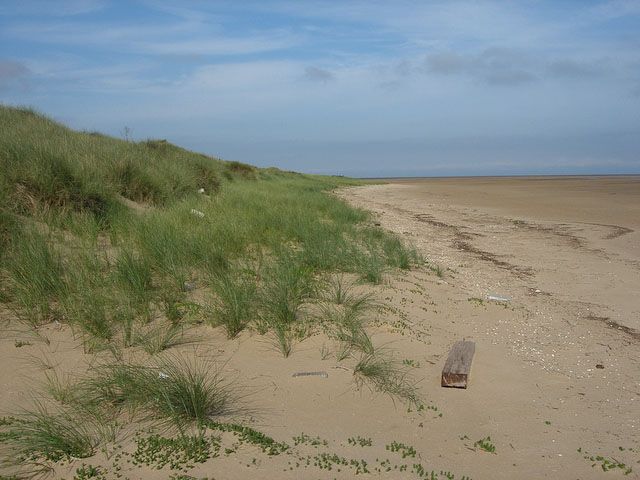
(361, 88)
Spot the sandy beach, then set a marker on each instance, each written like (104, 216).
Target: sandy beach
(325, 240)
(575, 238)
(564, 349)
(554, 382)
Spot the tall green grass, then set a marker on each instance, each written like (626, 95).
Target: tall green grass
(234, 304)
(47, 165)
(115, 239)
(77, 250)
(288, 285)
(345, 316)
(172, 391)
(41, 435)
(35, 269)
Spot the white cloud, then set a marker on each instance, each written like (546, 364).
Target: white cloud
(174, 38)
(217, 46)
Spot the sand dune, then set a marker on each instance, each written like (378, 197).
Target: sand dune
(554, 381)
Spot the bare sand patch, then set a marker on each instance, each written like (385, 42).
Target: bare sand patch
(558, 368)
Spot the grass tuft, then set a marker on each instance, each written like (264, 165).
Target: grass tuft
(382, 374)
(39, 435)
(36, 274)
(174, 390)
(162, 336)
(235, 302)
(287, 286)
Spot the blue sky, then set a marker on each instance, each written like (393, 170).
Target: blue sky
(361, 88)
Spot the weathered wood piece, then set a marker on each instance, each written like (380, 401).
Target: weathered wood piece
(458, 365)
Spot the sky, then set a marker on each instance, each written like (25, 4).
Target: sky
(359, 88)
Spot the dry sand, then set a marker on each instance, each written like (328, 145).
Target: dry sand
(565, 251)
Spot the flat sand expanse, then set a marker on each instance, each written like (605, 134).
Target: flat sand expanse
(577, 238)
(554, 382)
(566, 252)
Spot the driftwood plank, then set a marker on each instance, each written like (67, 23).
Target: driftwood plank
(458, 365)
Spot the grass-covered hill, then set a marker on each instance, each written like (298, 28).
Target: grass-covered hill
(128, 243)
(100, 233)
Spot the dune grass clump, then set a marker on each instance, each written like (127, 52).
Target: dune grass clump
(105, 235)
(185, 392)
(350, 332)
(345, 318)
(173, 390)
(162, 336)
(400, 255)
(381, 373)
(234, 305)
(92, 306)
(40, 435)
(339, 291)
(134, 274)
(36, 274)
(287, 286)
(371, 266)
(59, 387)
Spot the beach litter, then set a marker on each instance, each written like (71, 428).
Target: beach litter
(197, 213)
(311, 374)
(498, 298)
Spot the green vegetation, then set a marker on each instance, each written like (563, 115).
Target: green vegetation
(345, 319)
(607, 463)
(404, 450)
(362, 441)
(249, 435)
(104, 234)
(179, 453)
(162, 336)
(486, 445)
(235, 301)
(86, 472)
(289, 284)
(132, 243)
(381, 373)
(172, 390)
(40, 435)
(35, 274)
(303, 438)
(411, 363)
